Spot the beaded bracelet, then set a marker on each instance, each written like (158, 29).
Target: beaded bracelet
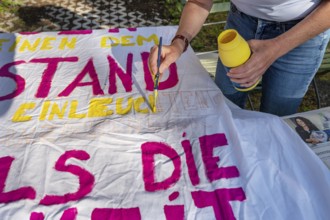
(185, 40)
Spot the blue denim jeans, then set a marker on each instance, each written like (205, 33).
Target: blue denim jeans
(286, 81)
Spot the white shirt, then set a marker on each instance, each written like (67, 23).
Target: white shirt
(277, 10)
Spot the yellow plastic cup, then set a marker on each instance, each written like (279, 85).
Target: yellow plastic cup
(234, 51)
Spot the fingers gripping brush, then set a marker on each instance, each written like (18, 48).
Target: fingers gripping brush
(157, 74)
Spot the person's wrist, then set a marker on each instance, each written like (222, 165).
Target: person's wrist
(181, 42)
(178, 47)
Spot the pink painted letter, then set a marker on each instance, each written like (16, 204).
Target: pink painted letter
(174, 212)
(17, 194)
(37, 216)
(219, 201)
(68, 214)
(213, 172)
(89, 68)
(125, 78)
(47, 76)
(86, 179)
(20, 82)
(170, 82)
(116, 214)
(149, 150)
(192, 169)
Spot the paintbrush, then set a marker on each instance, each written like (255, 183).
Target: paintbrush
(157, 74)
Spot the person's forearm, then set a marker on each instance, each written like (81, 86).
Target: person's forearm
(315, 23)
(192, 19)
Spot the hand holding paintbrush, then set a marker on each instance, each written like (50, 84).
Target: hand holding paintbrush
(161, 57)
(157, 74)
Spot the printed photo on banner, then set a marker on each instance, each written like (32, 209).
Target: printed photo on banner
(314, 129)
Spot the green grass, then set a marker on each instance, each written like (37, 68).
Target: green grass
(206, 40)
(10, 6)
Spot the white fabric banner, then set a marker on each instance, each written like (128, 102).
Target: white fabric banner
(79, 140)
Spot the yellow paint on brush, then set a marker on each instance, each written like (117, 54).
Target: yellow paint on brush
(154, 109)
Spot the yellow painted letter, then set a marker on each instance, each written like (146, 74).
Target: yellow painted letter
(29, 46)
(47, 43)
(125, 41)
(140, 39)
(3, 41)
(66, 43)
(57, 111)
(98, 107)
(113, 42)
(44, 110)
(137, 105)
(73, 111)
(119, 106)
(20, 116)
